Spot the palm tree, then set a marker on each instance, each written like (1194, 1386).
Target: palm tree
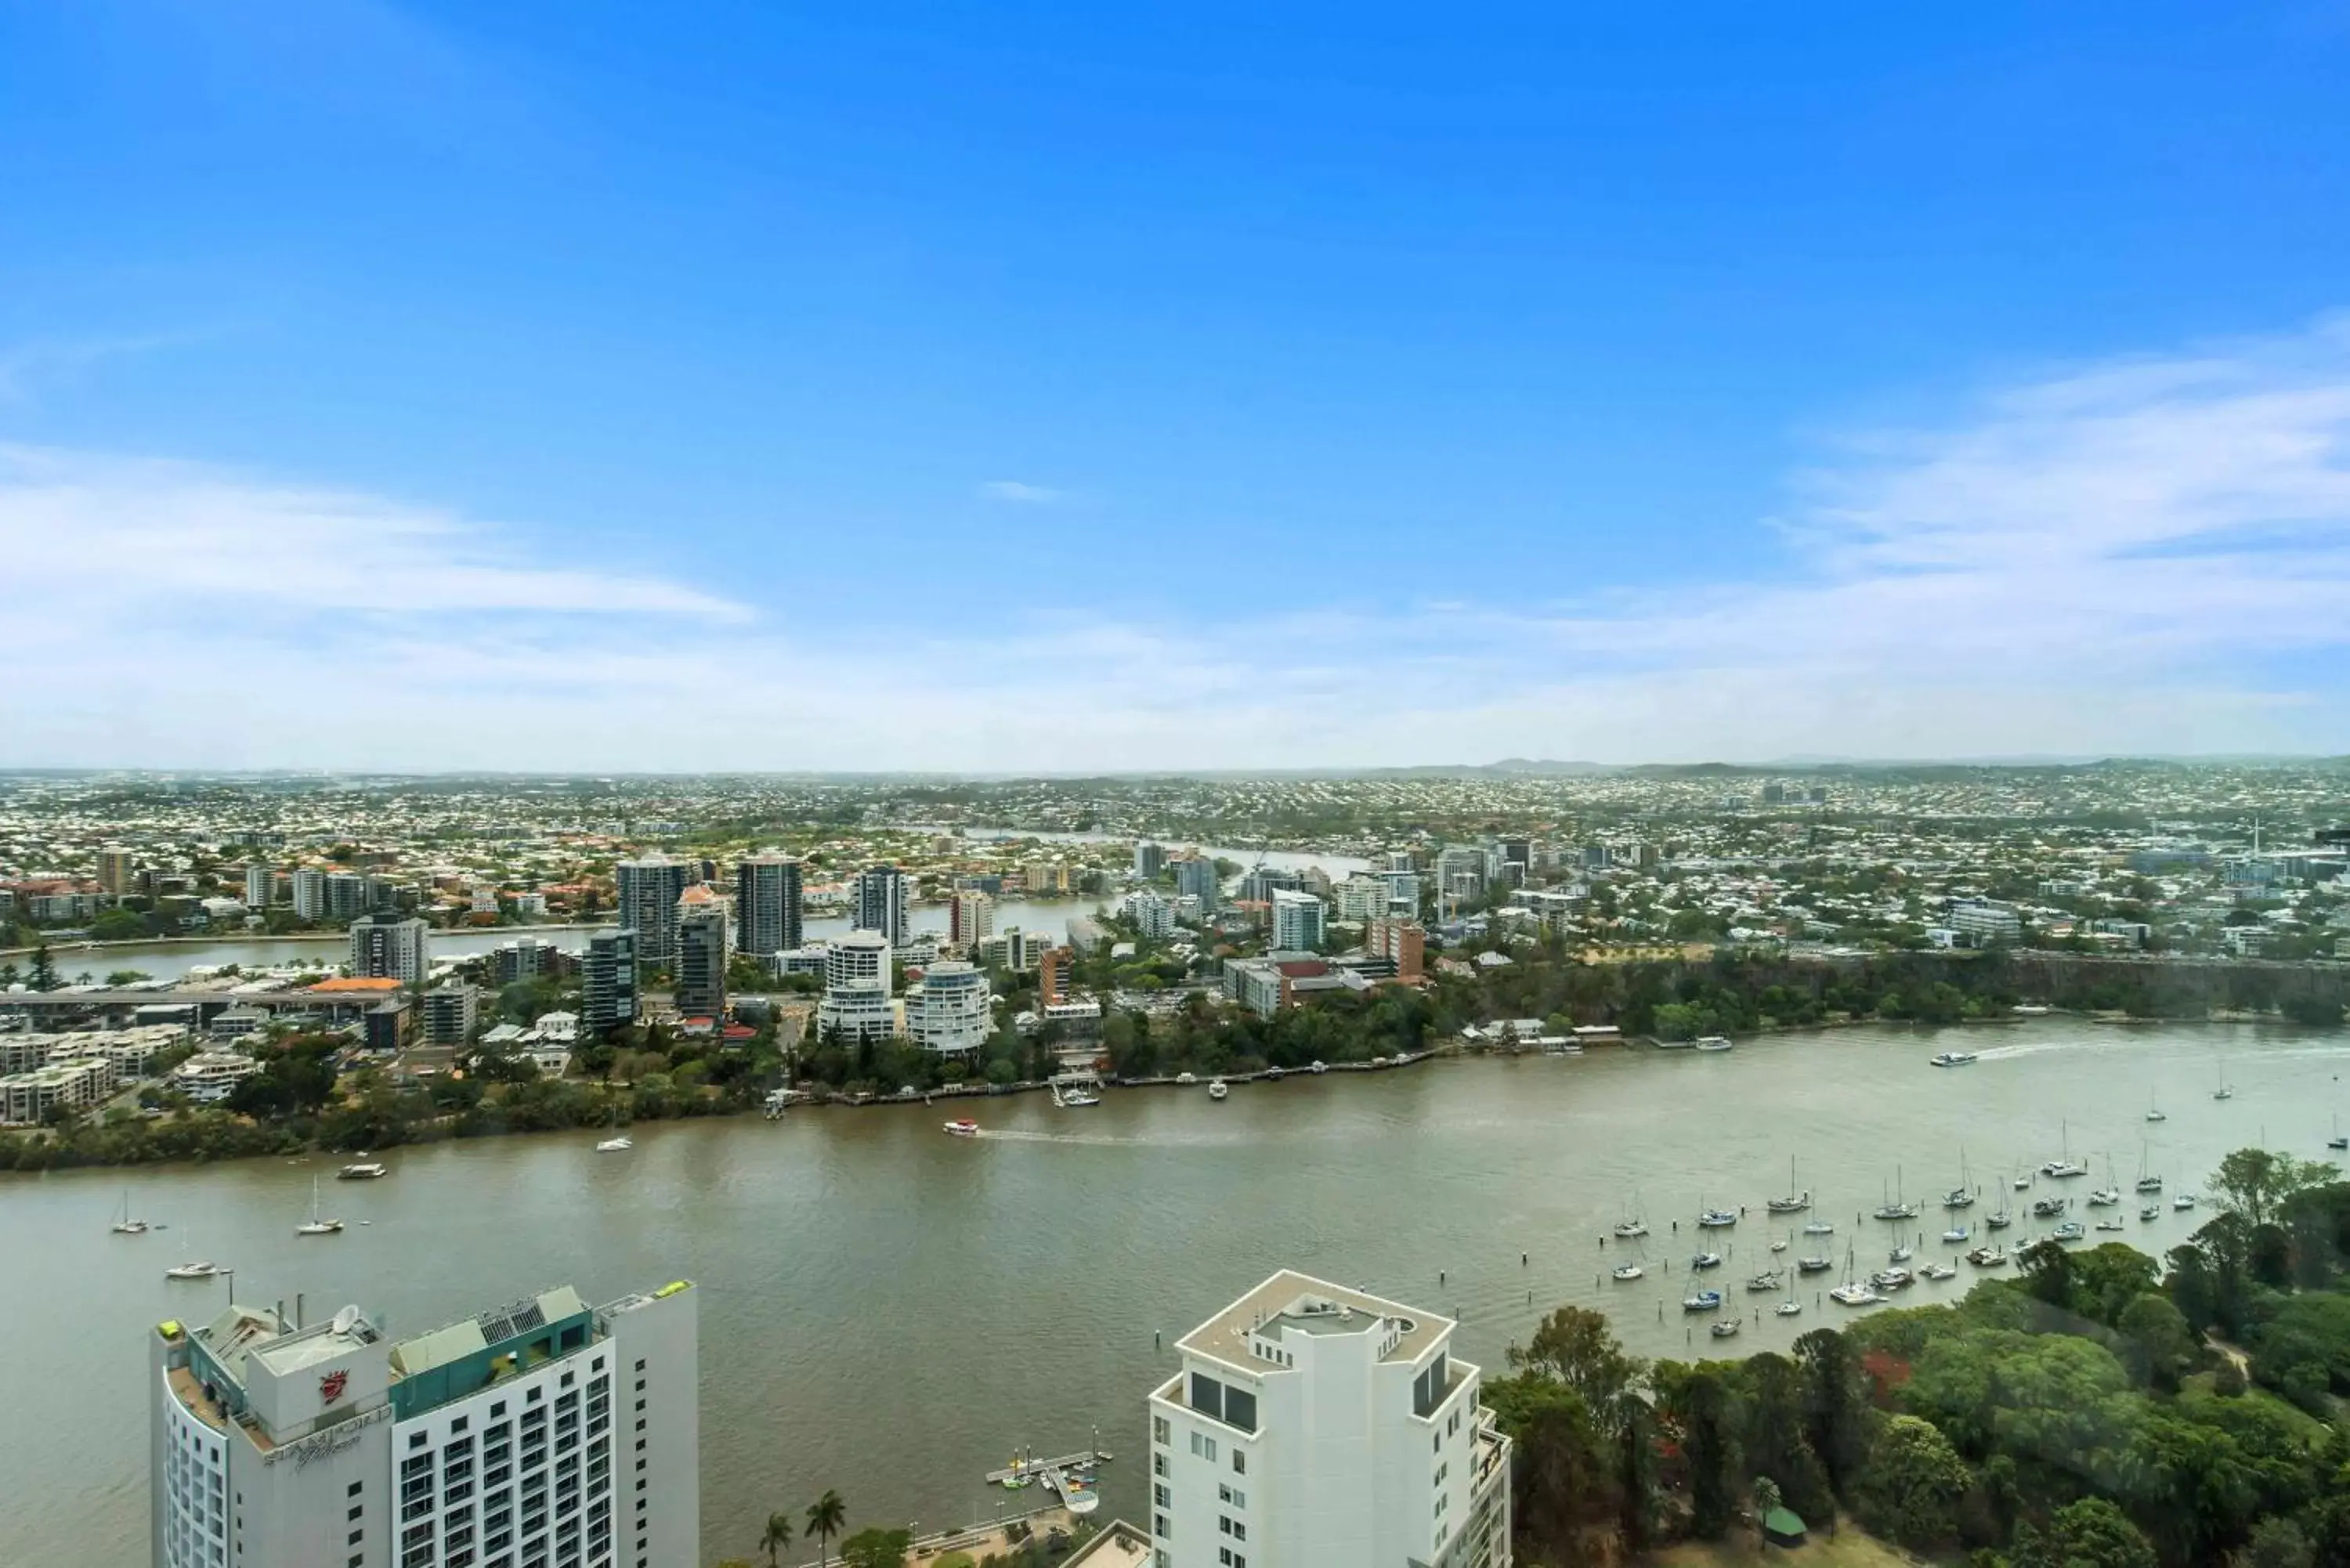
(776, 1536)
(826, 1515)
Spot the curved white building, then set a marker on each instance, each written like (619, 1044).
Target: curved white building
(858, 958)
(953, 1010)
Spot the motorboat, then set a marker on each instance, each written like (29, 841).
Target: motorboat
(1988, 1257)
(1187, 1079)
(191, 1271)
(1218, 1089)
(1952, 1059)
(1715, 1219)
(1852, 1294)
(1770, 1282)
(2149, 1211)
(2070, 1230)
(2049, 1208)
(1788, 1309)
(2022, 1184)
(2183, 1200)
(1704, 1261)
(1938, 1271)
(1319, 1067)
(1892, 1279)
(1626, 1271)
(1819, 1227)
(2110, 1223)
(1727, 1328)
(1078, 1099)
(1704, 1301)
(1814, 1265)
(1778, 1243)
(363, 1170)
(2104, 1197)
(1276, 1074)
(615, 1144)
(963, 1126)
(2061, 1170)
(1713, 1042)
(1957, 1236)
(315, 1225)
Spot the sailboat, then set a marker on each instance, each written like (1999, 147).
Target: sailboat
(2226, 1091)
(124, 1225)
(1798, 1198)
(2153, 1111)
(1962, 1196)
(1632, 1227)
(2147, 1180)
(315, 1226)
(193, 1269)
(2340, 1139)
(2001, 1219)
(1895, 1208)
(2066, 1165)
(1852, 1292)
(619, 1142)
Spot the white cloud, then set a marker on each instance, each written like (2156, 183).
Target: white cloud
(2146, 556)
(1014, 490)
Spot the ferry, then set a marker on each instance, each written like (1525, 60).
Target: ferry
(963, 1126)
(1713, 1042)
(1704, 1301)
(1626, 1271)
(1953, 1059)
(1217, 1089)
(363, 1170)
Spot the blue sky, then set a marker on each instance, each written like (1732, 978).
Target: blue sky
(1065, 387)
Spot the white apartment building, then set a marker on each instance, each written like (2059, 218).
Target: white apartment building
(260, 886)
(858, 955)
(387, 947)
(309, 893)
(546, 1434)
(1297, 922)
(1149, 914)
(208, 1077)
(971, 918)
(952, 1009)
(1312, 1425)
(76, 1082)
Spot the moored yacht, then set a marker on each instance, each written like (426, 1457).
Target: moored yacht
(1626, 1271)
(1704, 1301)
(1992, 1256)
(1715, 1219)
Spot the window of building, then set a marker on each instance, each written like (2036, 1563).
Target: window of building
(1239, 1462)
(1159, 1429)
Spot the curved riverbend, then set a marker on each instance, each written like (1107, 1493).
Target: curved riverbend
(890, 1311)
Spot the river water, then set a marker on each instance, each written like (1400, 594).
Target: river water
(888, 1311)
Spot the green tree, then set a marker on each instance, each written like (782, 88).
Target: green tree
(1835, 1407)
(826, 1516)
(874, 1547)
(776, 1536)
(45, 970)
(1563, 1483)
(1710, 1444)
(1576, 1347)
(2275, 1544)
(2091, 1534)
(2256, 1182)
(1911, 1485)
(2157, 1344)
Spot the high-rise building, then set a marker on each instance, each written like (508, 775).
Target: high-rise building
(349, 895)
(1296, 920)
(1316, 1426)
(1400, 861)
(881, 895)
(1151, 915)
(546, 1432)
(857, 987)
(649, 891)
(1403, 894)
(386, 947)
(1260, 884)
(309, 893)
(971, 918)
(116, 874)
(1519, 852)
(1360, 898)
(1197, 876)
(1150, 859)
(1053, 975)
(260, 886)
(700, 970)
(1401, 942)
(449, 1013)
(767, 908)
(607, 982)
(858, 955)
(952, 1009)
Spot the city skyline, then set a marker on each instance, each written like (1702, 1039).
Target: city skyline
(1416, 395)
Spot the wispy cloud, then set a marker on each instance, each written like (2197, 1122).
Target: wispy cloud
(2151, 556)
(1014, 490)
(24, 367)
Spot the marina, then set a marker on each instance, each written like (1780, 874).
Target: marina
(1028, 1269)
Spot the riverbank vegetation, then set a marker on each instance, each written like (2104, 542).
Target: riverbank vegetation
(2093, 1412)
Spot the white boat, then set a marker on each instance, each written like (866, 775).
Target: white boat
(1797, 1199)
(2049, 1208)
(1704, 1301)
(1901, 1254)
(2153, 1111)
(2070, 1230)
(2183, 1200)
(1938, 1271)
(2063, 1169)
(316, 1226)
(1819, 1227)
(1078, 1099)
(1630, 1230)
(194, 1270)
(1989, 1257)
(1957, 1236)
(2104, 1197)
(1217, 1089)
(2031, 1009)
(124, 1225)
(1894, 1279)
(1758, 1284)
(963, 1126)
(1850, 1293)
(1715, 1219)
(1779, 1243)
(2022, 1184)
(1705, 1261)
(363, 1170)
(1788, 1308)
(1897, 1206)
(1958, 1198)
(1319, 1067)
(2110, 1223)
(1725, 1329)
(1626, 1271)
(2149, 1211)
(2226, 1091)
(1186, 1080)
(1952, 1059)
(615, 1144)
(1814, 1265)
(1713, 1042)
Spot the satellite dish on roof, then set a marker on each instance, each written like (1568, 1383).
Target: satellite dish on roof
(346, 1320)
